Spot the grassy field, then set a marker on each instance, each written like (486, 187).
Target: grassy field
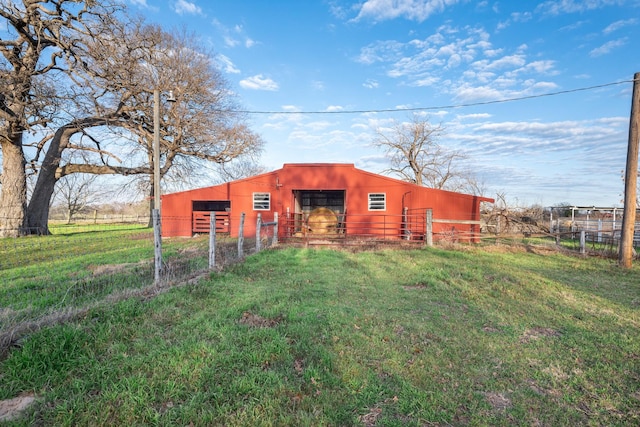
(78, 265)
(500, 335)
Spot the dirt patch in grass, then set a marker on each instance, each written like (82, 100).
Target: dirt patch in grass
(109, 269)
(370, 418)
(416, 286)
(537, 333)
(101, 270)
(140, 236)
(11, 409)
(498, 401)
(257, 321)
(536, 388)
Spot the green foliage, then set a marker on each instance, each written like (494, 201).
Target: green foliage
(323, 337)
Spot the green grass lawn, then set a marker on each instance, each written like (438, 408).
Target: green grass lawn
(80, 264)
(474, 336)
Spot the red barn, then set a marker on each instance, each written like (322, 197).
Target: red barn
(329, 199)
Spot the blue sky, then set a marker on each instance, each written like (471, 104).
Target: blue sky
(317, 74)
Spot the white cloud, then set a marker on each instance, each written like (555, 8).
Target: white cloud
(429, 81)
(235, 36)
(514, 18)
(464, 63)
(286, 120)
(415, 10)
(508, 61)
(318, 126)
(226, 64)
(473, 116)
(615, 26)
(334, 108)
(142, 4)
(380, 51)
(371, 84)
(230, 41)
(259, 82)
(608, 47)
(541, 67)
(557, 7)
(183, 7)
(526, 138)
(317, 85)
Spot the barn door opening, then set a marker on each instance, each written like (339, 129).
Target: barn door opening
(308, 201)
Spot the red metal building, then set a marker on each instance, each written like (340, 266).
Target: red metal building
(324, 198)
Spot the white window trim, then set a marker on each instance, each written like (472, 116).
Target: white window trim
(377, 201)
(264, 200)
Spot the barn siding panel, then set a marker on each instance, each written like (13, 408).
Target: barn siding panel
(281, 184)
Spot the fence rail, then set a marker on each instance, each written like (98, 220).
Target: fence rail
(413, 226)
(606, 231)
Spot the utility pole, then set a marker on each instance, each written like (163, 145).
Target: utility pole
(156, 149)
(157, 233)
(631, 179)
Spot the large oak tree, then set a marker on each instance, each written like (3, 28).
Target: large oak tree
(42, 41)
(103, 121)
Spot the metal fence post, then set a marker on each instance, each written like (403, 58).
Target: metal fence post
(212, 240)
(157, 243)
(583, 242)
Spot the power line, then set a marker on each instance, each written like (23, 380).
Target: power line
(439, 107)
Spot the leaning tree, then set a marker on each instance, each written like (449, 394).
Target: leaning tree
(40, 42)
(112, 126)
(98, 100)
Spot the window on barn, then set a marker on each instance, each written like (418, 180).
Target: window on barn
(261, 201)
(377, 201)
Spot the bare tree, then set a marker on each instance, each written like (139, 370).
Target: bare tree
(99, 101)
(115, 135)
(41, 42)
(416, 156)
(76, 192)
(242, 168)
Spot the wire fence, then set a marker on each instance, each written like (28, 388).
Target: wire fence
(44, 279)
(47, 279)
(599, 237)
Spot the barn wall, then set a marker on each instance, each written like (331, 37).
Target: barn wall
(281, 184)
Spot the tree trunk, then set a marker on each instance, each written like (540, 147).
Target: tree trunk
(38, 210)
(13, 196)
